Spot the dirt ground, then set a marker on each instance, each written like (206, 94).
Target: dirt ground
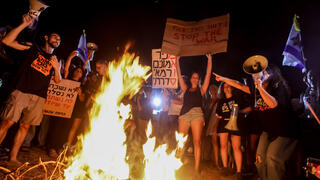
(31, 168)
(35, 171)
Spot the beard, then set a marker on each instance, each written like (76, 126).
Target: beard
(53, 44)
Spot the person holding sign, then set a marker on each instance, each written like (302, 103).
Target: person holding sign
(191, 114)
(32, 82)
(60, 127)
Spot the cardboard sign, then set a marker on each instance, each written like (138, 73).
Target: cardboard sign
(196, 38)
(61, 98)
(164, 73)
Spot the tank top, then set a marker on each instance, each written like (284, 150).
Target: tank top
(191, 99)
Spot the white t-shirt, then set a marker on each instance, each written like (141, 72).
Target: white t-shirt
(175, 108)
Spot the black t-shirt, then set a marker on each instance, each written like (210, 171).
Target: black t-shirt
(225, 105)
(35, 73)
(279, 121)
(191, 99)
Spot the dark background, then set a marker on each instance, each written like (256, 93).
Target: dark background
(256, 27)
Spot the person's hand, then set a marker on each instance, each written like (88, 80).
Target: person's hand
(78, 90)
(178, 58)
(218, 77)
(209, 55)
(90, 55)
(27, 20)
(54, 62)
(257, 83)
(73, 54)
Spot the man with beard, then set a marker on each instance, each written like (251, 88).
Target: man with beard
(31, 84)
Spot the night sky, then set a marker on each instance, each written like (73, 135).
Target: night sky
(256, 27)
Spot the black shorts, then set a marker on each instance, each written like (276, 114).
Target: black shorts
(79, 110)
(221, 128)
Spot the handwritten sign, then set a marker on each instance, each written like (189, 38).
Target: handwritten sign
(164, 73)
(196, 38)
(61, 98)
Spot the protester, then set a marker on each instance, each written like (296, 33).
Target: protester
(163, 117)
(227, 100)
(175, 105)
(191, 114)
(279, 137)
(61, 128)
(31, 85)
(72, 55)
(144, 112)
(80, 115)
(213, 124)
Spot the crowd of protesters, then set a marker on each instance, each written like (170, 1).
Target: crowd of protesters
(27, 91)
(191, 106)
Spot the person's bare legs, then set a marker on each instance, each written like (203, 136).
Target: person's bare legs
(4, 126)
(236, 146)
(214, 140)
(224, 148)
(183, 127)
(73, 130)
(253, 139)
(196, 127)
(18, 140)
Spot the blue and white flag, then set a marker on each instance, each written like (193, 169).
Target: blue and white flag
(293, 53)
(82, 49)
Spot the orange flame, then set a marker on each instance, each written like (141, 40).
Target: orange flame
(102, 152)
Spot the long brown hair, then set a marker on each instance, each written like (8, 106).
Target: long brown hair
(276, 78)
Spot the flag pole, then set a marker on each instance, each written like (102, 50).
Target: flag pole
(312, 111)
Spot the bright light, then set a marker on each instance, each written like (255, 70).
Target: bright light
(156, 101)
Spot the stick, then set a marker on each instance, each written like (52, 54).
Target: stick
(313, 113)
(43, 163)
(7, 171)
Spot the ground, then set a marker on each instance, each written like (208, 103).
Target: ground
(35, 154)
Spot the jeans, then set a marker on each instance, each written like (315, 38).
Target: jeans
(273, 155)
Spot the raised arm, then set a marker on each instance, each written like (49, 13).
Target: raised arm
(183, 85)
(11, 38)
(56, 66)
(233, 83)
(206, 82)
(267, 98)
(89, 58)
(67, 65)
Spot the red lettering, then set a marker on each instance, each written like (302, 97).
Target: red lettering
(176, 36)
(173, 62)
(173, 80)
(67, 106)
(178, 29)
(194, 36)
(182, 36)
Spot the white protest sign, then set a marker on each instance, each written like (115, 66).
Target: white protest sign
(164, 73)
(61, 98)
(183, 38)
